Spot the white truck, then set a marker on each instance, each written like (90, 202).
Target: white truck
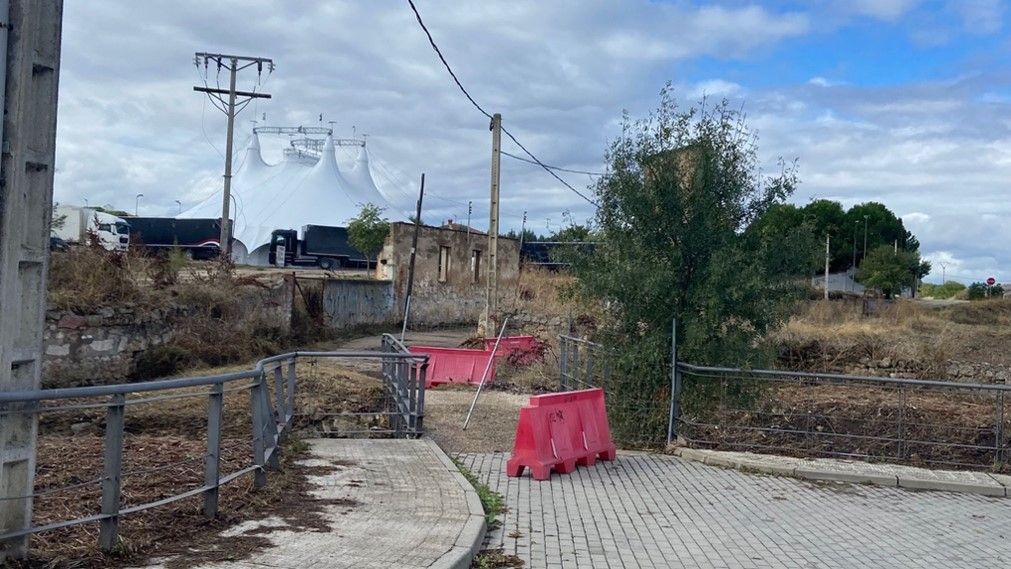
(112, 233)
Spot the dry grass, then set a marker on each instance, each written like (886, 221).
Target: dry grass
(922, 339)
(541, 291)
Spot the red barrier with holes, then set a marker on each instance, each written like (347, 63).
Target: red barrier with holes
(560, 430)
(520, 350)
(455, 365)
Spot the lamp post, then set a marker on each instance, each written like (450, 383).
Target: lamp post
(136, 204)
(179, 207)
(865, 237)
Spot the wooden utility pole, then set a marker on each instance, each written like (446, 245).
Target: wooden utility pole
(491, 304)
(234, 64)
(414, 253)
(826, 265)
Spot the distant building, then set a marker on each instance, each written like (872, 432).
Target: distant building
(843, 282)
(450, 275)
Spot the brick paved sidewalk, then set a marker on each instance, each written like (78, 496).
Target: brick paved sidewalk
(661, 511)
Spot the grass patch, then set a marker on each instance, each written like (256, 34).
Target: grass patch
(491, 501)
(492, 558)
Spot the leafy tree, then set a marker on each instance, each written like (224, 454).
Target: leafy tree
(367, 232)
(946, 290)
(682, 189)
(889, 270)
(979, 291)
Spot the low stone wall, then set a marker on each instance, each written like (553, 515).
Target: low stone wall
(89, 349)
(102, 347)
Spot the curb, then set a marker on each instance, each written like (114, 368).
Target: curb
(471, 537)
(833, 470)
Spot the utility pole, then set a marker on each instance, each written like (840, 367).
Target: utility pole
(234, 64)
(492, 287)
(826, 265)
(414, 253)
(853, 277)
(470, 210)
(523, 232)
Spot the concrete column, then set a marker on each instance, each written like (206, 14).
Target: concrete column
(32, 29)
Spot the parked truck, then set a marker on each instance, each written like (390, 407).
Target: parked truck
(320, 245)
(78, 225)
(196, 238)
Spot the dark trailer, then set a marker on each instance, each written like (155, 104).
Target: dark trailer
(554, 254)
(198, 238)
(322, 245)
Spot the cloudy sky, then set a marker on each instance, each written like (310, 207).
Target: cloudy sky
(901, 101)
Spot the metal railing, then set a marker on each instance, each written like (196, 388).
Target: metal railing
(271, 384)
(926, 422)
(638, 412)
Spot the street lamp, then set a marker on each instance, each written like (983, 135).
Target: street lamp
(136, 204)
(179, 205)
(865, 237)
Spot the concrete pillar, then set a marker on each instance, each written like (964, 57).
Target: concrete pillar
(27, 163)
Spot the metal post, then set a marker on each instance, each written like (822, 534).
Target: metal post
(901, 454)
(826, 265)
(412, 397)
(422, 374)
(675, 384)
(108, 532)
(291, 390)
(270, 426)
(563, 357)
(279, 393)
(259, 450)
(589, 366)
(212, 460)
(1000, 456)
(480, 386)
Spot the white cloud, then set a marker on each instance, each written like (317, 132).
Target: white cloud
(889, 10)
(979, 16)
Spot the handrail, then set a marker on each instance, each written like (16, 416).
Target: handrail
(272, 407)
(34, 395)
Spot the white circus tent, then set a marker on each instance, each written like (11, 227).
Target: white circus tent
(306, 187)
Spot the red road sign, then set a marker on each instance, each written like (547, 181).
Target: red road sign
(991, 281)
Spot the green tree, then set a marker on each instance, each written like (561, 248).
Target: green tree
(682, 189)
(367, 232)
(946, 290)
(980, 291)
(889, 270)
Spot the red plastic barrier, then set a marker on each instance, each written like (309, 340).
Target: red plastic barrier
(560, 430)
(455, 365)
(521, 350)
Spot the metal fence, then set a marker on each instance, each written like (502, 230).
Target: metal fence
(939, 423)
(638, 412)
(270, 409)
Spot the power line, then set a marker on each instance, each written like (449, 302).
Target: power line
(445, 64)
(558, 168)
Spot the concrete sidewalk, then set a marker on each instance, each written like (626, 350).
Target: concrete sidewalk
(391, 503)
(836, 470)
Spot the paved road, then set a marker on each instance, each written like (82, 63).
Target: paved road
(661, 511)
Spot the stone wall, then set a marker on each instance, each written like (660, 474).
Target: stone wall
(102, 347)
(89, 349)
(450, 273)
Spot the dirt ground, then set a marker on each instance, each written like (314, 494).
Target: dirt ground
(491, 428)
